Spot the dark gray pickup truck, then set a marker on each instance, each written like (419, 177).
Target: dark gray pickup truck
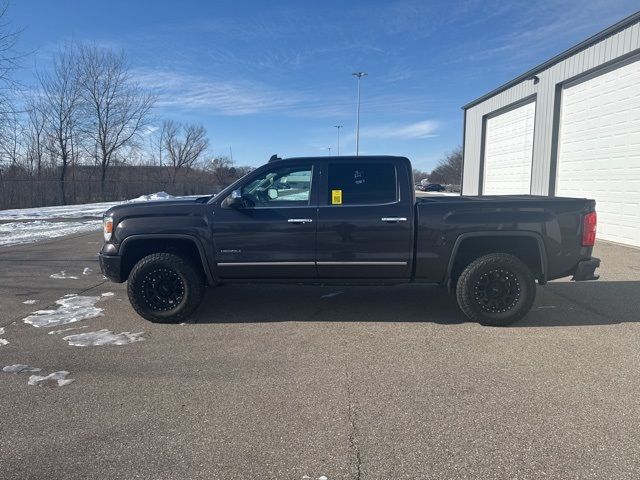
(347, 220)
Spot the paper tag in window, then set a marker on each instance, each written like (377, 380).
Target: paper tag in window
(336, 197)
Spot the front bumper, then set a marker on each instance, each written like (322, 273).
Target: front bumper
(111, 267)
(586, 270)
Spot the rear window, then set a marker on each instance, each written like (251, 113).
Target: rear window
(362, 183)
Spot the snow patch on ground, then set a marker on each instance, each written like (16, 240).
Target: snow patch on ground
(30, 302)
(16, 233)
(1, 330)
(56, 378)
(103, 337)
(20, 368)
(332, 294)
(64, 330)
(72, 309)
(152, 197)
(3, 342)
(86, 210)
(28, 225)
(107, 294)
(87, 271)
(62, 275)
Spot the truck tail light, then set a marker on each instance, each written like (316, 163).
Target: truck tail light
(589, 224)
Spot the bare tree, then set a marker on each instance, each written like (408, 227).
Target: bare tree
(11, 153)
(449, 169)
(185, 145)
(61, 103)
(419, 175)
(157, 144)
(225, 171)
(222, 170)
(9, 61)
(116, 108)
(35, 141)
(11, 132)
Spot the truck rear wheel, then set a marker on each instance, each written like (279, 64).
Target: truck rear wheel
(165, 288)
(496, 290)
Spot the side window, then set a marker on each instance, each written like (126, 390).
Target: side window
(362, 183)
(282, 186)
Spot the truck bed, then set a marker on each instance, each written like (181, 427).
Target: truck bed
(551, 224)
(494, 198)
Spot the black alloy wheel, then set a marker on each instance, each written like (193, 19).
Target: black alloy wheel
(496, 289)
(165, 288)
(162, 289)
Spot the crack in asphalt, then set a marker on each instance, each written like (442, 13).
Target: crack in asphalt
(353, 433)
(351, 404)
(352, 414)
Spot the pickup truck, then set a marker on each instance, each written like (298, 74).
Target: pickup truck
(347, 221)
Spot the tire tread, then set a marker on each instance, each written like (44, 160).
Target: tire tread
(195, 287)
(464, 289)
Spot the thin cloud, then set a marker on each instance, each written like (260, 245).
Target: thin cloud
(410, 131)
(542, 29)
(189, 92)
(395, 131)
(185, 92)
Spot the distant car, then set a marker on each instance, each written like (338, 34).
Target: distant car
(433, 187)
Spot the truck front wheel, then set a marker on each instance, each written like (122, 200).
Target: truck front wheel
(165, 288)
(496, 290)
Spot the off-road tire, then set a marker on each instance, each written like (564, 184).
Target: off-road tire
(513, 283)
(182, 276)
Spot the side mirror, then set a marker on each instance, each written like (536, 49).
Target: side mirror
(235, 199)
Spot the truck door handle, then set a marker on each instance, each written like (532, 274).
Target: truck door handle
(300, 220)
(393, 219)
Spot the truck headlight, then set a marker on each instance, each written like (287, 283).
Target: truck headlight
(107, 228)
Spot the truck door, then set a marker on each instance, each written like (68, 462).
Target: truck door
(365, 227)
(272, 234)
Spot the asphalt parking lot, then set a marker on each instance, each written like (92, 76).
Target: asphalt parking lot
(301, 382)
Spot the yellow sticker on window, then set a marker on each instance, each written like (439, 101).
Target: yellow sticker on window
(336, 197)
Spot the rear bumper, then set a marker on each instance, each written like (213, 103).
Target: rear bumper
(111, 266)
(586, 270)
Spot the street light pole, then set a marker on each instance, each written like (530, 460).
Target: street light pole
(338, 127)
(359, 75)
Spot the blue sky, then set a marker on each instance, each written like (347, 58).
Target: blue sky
(270, 77)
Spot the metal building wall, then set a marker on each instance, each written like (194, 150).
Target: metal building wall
(617, 46)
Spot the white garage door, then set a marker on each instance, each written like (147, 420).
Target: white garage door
(508, 151)
(599, 150)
